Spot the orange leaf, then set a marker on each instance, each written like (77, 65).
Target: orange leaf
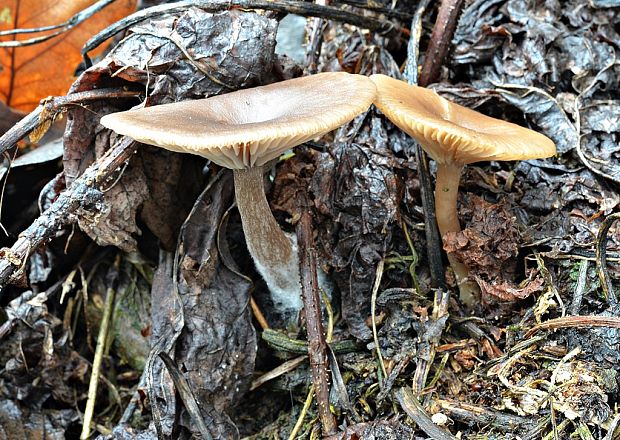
(30, 73)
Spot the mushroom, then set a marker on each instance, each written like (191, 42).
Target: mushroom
(243, 131)
(454, 136)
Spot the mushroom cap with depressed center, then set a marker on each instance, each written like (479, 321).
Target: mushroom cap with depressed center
(451, 133)
(250, 127)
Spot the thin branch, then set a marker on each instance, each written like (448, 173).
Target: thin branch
(286, 6)
(574, 322)
(441, 39)
(85, 190)
(47, 111)
(415, 411)
(102, 340)
(62, 27)
(317, 347)
(434, 246)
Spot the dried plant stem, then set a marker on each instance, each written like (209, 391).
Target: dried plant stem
(373, 314)
(317, 346)
(58, 29)
(46, 112)
(315, 41)
(258, 314)
(302, 414)
(433, 240)
(447, 17)
(574, 322)
(62, 212)
(414, 410)
(483, 416)
(102, 339)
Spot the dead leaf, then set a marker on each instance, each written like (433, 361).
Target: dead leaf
(489, 246)
(30, 73)
(506, 291)
(489, 243)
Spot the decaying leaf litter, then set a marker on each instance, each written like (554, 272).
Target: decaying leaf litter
(532, 236)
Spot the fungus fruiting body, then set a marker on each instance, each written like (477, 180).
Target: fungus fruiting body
(454, 136)
(243, 131)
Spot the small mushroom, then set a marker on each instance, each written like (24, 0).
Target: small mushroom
(454, 136)
(243, 131)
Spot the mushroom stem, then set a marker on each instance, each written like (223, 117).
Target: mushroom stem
(446, 194)
(274, 254)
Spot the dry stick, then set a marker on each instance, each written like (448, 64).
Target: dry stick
(433, 240)
(291, 7)
(414, 410)
(63, 211)
(375, 7)
(447, 17)
(482, 416)
(315, 41)
(574, 322)
(49, 108)
(63, 27)
(317, 347)
(102, 340)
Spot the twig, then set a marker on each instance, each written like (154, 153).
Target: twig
(291, 7)
(281, 369)
(479, 415)
(317, 347)
(376, 7)
(415, 411)
(46, 112)
(62, 212)
(104, 328)
(574, 321)
(63, 27)
(373, 314)
(413, 45)
(441, 38)
(313, 48)
(601, 259)
(258, 314)
(433, 240)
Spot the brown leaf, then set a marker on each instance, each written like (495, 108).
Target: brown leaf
(489, 243)
(506, 291)
(30, 73)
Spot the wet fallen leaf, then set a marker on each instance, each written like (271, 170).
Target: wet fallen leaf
(30, 73)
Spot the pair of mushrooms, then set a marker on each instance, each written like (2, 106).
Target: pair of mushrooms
(246, 129)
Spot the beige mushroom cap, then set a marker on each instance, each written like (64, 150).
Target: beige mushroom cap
(451, 133)
(250, 127)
